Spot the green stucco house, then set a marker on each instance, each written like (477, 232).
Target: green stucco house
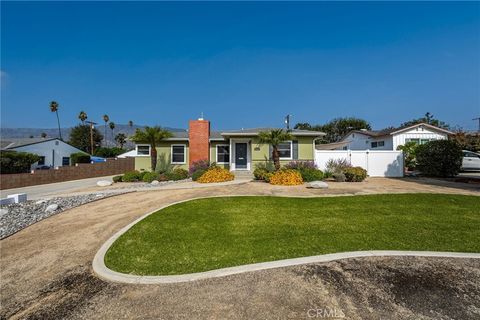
(236, 150)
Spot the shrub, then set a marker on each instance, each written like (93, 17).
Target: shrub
(439, 158)
(268, 176)
(198, 165)
(409, 153)
(132, 176)
(79, 157)
(267, 165)
(337, 165)
(259, 173)
(286, 177)
(339, 177)
(162, 177)
(150, 176)
(117, 179)
(355, 174)
(216, 174)
(301, 165)
(163, 165)
(310, 174)
(108, 152)
(16, 162)
(177, 174)
(197, 174)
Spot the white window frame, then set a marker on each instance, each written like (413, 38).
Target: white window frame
(216, 153)
(291, 151)
(143, 145)
(184, 153)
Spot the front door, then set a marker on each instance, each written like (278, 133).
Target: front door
(241, 155)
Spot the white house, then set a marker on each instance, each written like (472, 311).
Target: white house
(387, 139)
(53, 152)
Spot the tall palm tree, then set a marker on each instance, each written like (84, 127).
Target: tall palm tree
(274, 137)
(82, 116)
(130, 124)
(106, 118)
(112, 126)
(152, 136)
(54, 108)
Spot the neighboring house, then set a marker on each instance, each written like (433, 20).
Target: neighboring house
(53, 152)
(235, 150)
(387, 139)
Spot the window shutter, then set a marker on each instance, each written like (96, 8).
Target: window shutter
(295, 149)
(270, 150)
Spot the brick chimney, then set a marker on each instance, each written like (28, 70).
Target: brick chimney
(199, 144)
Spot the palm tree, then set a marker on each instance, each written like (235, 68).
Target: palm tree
(274, 137)
(43, 135)
(112, 126)
(82, 116)
(106, 118)
(54, 108)
(121, 139)
(152, 136)
(130, 124)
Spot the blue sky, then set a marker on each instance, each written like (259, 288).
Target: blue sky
(241, 64)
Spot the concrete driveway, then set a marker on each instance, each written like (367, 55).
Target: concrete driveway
(54, 189)
(46, 271)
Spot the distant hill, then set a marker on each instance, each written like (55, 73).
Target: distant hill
(53, 132)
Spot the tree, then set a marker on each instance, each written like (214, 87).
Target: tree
(80, 137)
(112, 127)
(152, 136)
(121, 139)
(106, 118)
(130, 123)
(54, 108)
(82, 116)
(337, 128)
(468, 141)
(274, 138)
(439, 158)
(43, 135)
(429, 119)
(409, 151)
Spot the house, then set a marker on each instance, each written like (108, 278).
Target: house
(388, 139)
(233, 149)
(53, 152)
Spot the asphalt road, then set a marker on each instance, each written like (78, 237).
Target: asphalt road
(53, 189)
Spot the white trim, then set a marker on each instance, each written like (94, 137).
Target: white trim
(216, 153)
(184, 153)
(143, 145)
(291, 151)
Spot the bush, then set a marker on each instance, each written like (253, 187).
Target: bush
(439, 158)
(16, 162)
(268, 176)
(108, 152)
(355, 174)
(259, 173)
(216, 174)
(177, 174)
(197, 174)
(267, 165)
(286, 177)
(337, 165)
(296, 165)
(409, 154)
(150, 176)
(117, 179)
(79, 157)
(309, 174)
(162, 177)
(198, 165)
(132, 176)
(339, 177)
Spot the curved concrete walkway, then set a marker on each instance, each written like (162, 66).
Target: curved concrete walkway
(105, 273)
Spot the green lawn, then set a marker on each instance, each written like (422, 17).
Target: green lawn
(214, 233)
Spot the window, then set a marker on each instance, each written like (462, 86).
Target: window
(143, 150)
(41, 162)
(423, 141)
(65, 161)
(377, 144)
(467, 154)
(178, 154)
(223, 154)
(417, 141)
(285, 150)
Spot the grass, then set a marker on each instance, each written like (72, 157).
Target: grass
(214, 233)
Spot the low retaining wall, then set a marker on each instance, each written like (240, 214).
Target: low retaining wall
(80, 171)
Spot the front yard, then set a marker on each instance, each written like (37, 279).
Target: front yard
(213, 233)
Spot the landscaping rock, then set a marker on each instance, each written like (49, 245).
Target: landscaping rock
(104, 183)
(51, 208)
(3, 212)
(317, 185)
(41, 201)
(155, 182)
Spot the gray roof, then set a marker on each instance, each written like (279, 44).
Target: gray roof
(12, 143)
(389, 131)
(255, 131)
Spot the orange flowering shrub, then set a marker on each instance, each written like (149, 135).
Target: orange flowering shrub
(216, 174)
(286, 177)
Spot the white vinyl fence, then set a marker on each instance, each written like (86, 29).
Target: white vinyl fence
(382, 163)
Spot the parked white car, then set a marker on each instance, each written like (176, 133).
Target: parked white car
(471, 160)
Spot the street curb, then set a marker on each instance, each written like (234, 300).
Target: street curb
(101, 270)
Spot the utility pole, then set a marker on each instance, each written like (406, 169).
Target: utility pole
(477, 119)
(91, 123)
(287, 122)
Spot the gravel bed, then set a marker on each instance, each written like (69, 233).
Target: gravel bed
(137, 185)
(17, 216)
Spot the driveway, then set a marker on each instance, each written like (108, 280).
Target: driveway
(54, 189)
(46, 271)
